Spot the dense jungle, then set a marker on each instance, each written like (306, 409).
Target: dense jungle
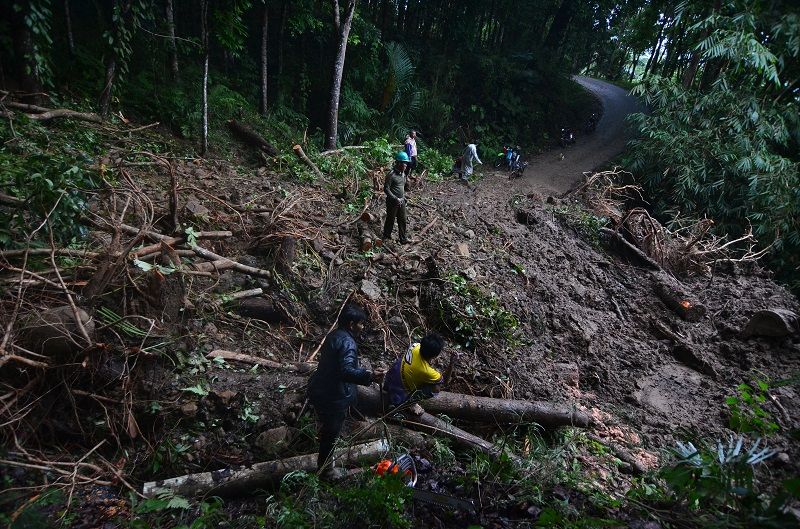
(598, 213)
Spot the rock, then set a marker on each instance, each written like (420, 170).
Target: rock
(225, 396)
(274, 441)
(196, 210)
(249, 260)
(370, 289)
(210, 330)
(775, 323)
(783, 459)
(189, 409)
(463, 249)
(262, 309)
(470, 273)
(54, 332)
(469, 234)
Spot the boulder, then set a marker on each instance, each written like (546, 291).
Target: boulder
(274, 441)
(371, 290)
(55, 333)
(776, 323)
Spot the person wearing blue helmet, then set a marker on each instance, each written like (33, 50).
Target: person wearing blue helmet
(394, 187)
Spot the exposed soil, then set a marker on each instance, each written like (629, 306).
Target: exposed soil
(590, 326)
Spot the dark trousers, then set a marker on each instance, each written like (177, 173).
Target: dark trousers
(330, 423)
(411, 166)
(394, 210)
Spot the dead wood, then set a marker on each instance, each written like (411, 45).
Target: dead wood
(492, 411)
(343, 149)
(65, 252)
(298, 150)
(250, 137)
(229, 263)
(617, 242)
(414, 417)
(45, 114)
(677, 299)
(302, 367)
(259, 475)
(10, 201)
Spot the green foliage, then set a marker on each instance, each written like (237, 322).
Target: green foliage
(747, 414)
(50, 176)
(582, 221)
(729, 150)
(378, 501)
(38, 19)
(715, 486)
(475, 317)
(167, 509)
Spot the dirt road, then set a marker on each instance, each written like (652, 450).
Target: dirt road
(547, 173)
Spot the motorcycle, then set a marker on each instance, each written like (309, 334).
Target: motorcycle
(502, 158)
(567, 138)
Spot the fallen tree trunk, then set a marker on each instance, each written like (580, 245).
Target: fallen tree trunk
(489, 410)
(258, 475)
(298, 150)
(617, 242)
(11, 201)
(45, 114)
(247, 135)
(677, 300)
(417, 419)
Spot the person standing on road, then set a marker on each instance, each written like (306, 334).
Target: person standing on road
(411, 151)
(331, 390)
(395, 189)
(469, 157)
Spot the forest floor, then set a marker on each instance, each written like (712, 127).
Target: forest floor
(513, 272)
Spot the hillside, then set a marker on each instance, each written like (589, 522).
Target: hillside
(522, 283)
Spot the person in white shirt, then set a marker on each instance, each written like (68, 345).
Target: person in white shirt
(469, 157)
(411, 151)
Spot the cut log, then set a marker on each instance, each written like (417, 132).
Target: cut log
(366, 244)
(370, 401)
(493, 411)
(250, 137)
(776, 323)
(616, 242)
(677, 300)
(260, 475)
(298, 150)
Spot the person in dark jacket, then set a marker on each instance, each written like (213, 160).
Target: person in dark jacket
(331, 389)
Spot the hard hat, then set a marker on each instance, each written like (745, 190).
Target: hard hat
(402, 157)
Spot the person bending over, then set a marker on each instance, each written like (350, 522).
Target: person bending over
(412, 377)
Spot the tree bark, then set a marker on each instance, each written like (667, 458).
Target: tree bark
(22, 42)
(264, 34)
(558, 28)
(251, 137)
(417, 419)
(173, 48)
(204, 24)
(342, 23)
(691, 71)
(68, 20)
(228, 481)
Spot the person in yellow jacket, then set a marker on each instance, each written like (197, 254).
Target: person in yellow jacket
(412, 376)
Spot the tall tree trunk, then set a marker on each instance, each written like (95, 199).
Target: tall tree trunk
(281, 31)
(22, 42)
(691, 70)
(264, 26)
(173, 48)
(342, 23)
(68, 20)
(204, 26)
(114, 57)
(558, 29)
